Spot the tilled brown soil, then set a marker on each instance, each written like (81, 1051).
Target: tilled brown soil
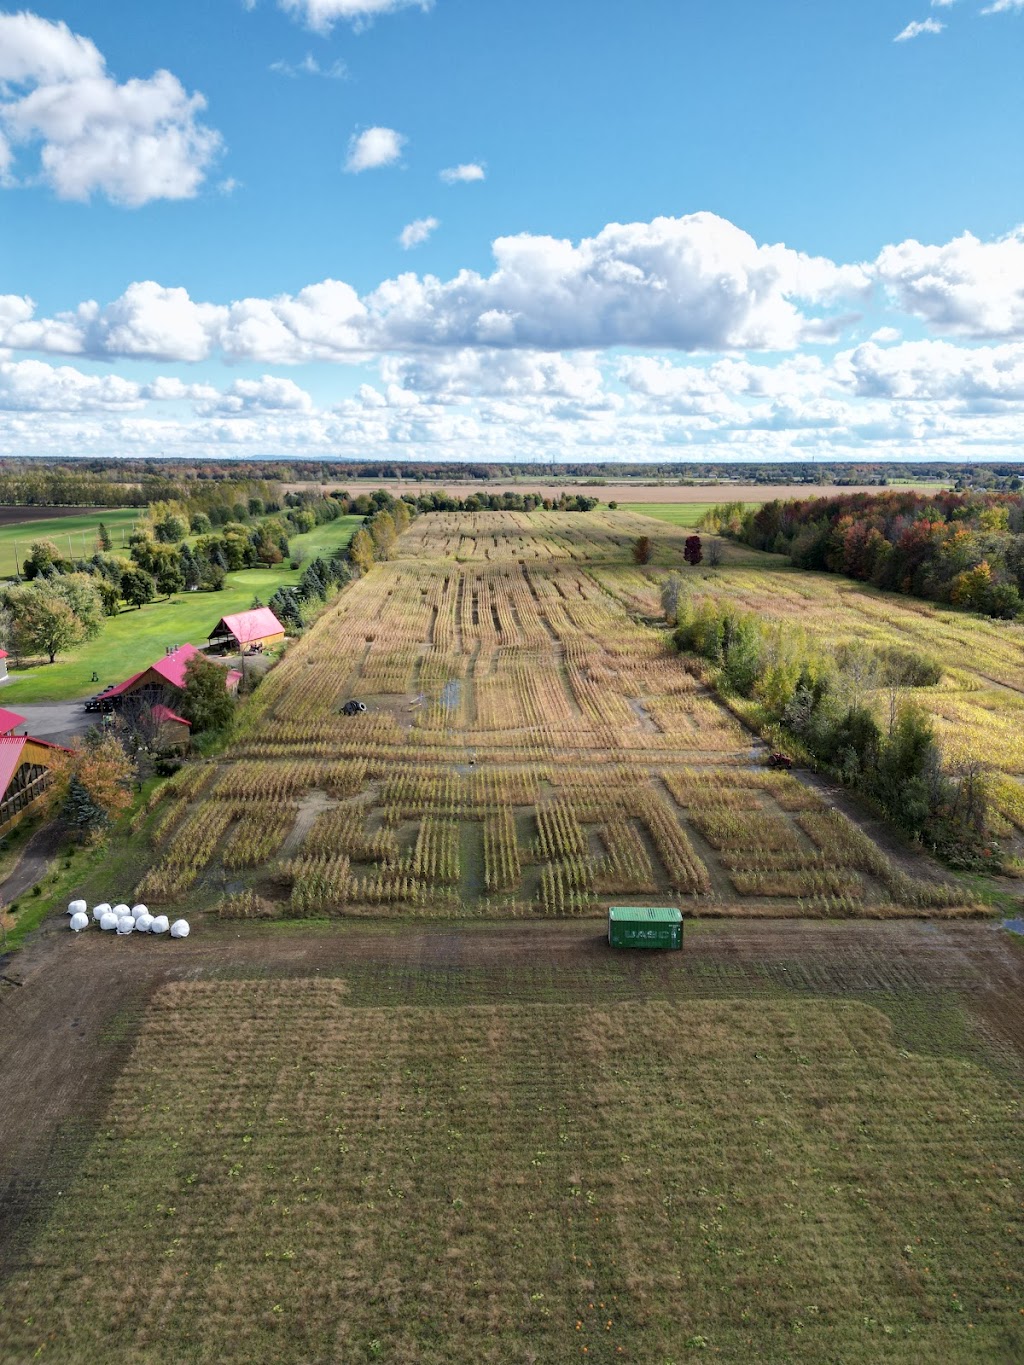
(70, 1005)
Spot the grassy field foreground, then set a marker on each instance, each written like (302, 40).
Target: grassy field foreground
(289, 1173)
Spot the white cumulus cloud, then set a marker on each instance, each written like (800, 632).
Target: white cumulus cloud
(268, 394)
(965, 287)
(31, 386)
(134, 142)
(463, 175)
(919, 26)
(1004, 7)
(373, 147)
(417, 232)
(694, 283)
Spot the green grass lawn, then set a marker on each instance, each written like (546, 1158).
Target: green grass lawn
(75, 537)
(324, 540)
(135, 638)
(676, 513)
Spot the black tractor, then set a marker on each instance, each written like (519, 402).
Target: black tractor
(353, 708)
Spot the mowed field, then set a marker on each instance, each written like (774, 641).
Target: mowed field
(531, 747)
(688, 514)
(74, 533)
(791, 1142)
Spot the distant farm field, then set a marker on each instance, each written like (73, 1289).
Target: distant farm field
(284, 1173)
(72, 531)
(625, 491)
(688, 514)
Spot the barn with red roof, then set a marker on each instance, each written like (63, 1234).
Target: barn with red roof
(162, 681)
(247, 632)
(25, 773)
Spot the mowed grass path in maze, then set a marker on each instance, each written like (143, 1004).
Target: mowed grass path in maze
(531, 746)
(283, 1175)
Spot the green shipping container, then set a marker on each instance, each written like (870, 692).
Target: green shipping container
(630, 926)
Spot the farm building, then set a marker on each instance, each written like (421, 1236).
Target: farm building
(247, 632)
(162, 681)
(3, 665)
(25, 765)
(9, 721)
(172, 732)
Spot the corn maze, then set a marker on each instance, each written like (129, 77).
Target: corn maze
(530, 746)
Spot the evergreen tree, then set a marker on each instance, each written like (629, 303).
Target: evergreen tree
(103, 535)
(79, 809)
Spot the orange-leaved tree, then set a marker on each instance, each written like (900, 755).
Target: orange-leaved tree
(91, 785)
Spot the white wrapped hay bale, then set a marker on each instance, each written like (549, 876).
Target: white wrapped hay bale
(78, 908)
(79, 921)
(122, 909)
(125, 924)
(143, 924)
(180, 929)
(138, 911)
(108, 921)
(160, 925)
(98, 911)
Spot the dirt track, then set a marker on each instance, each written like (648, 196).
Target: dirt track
(70, 1006)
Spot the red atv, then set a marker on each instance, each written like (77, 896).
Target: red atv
(777, 760)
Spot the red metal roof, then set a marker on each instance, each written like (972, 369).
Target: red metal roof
(10, 758)
(247, 626)
(3, 654)
(164, 713)
(124, 686)
(171, 669)
(172, 666)
(9, 720)
(11, 749)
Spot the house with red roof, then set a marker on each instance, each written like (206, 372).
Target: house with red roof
(162, 681)
(3, 665)
(247, 632)
(25, 773)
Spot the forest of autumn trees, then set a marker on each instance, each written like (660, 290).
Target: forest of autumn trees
(966, 549)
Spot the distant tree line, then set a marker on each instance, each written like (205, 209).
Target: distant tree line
(966, 549)
(110, 482)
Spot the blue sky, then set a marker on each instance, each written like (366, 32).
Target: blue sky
(732, 139)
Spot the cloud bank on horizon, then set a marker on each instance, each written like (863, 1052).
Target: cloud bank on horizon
(674, 336)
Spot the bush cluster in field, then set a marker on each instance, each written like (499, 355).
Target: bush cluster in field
(852, 707)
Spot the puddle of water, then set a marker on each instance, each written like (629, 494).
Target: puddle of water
(1015, 926)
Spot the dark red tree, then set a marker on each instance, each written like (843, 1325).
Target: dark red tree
(693, 551)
